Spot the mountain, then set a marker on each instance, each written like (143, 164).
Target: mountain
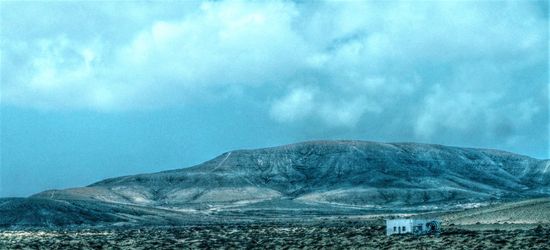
(46, 212)
(354, 173)
(310, 178)
(40, 212)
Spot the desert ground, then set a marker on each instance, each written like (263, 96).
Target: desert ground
(514, 225)
(340, 234)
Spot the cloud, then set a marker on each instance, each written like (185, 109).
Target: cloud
(421, 68)
(223, 44)
(166, 63)
(295, 105)
(303, 103)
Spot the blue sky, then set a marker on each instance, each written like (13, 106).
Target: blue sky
(93, 90)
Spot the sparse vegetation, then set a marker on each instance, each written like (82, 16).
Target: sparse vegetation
(342, 234)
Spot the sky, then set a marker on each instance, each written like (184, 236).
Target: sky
(91, 90)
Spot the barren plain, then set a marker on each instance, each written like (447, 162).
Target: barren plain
(338, 234)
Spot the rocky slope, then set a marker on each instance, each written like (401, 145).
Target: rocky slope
(348, 173)
(324, 178)
(532, 211)
(40, 212)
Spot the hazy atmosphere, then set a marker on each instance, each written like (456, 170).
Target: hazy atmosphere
(91, 90)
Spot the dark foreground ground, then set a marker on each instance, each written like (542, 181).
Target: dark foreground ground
(340, 235)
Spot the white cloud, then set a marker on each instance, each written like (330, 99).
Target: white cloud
(296, 105)
(308, 103)
(347, 113)
(424, 68)
(168, 62)
(223, 44)
(459, 113)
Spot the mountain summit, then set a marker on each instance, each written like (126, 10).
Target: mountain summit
(354, 173)
(305, 179)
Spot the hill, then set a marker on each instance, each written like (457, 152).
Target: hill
(532, 211)
(352, 173)
(303, 179)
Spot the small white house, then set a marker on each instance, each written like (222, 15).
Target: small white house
(413, 226)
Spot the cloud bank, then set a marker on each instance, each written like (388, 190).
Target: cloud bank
(460, 70)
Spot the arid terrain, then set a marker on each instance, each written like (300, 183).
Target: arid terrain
(341, 234)
(318, 178)
(513, 225)
(307, 195)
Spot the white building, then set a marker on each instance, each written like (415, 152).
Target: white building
(414, 226)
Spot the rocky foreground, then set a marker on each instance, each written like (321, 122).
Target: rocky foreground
(340, 235)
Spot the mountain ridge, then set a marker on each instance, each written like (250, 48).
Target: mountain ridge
(315, 178)
(317, 142)
(300, 170)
